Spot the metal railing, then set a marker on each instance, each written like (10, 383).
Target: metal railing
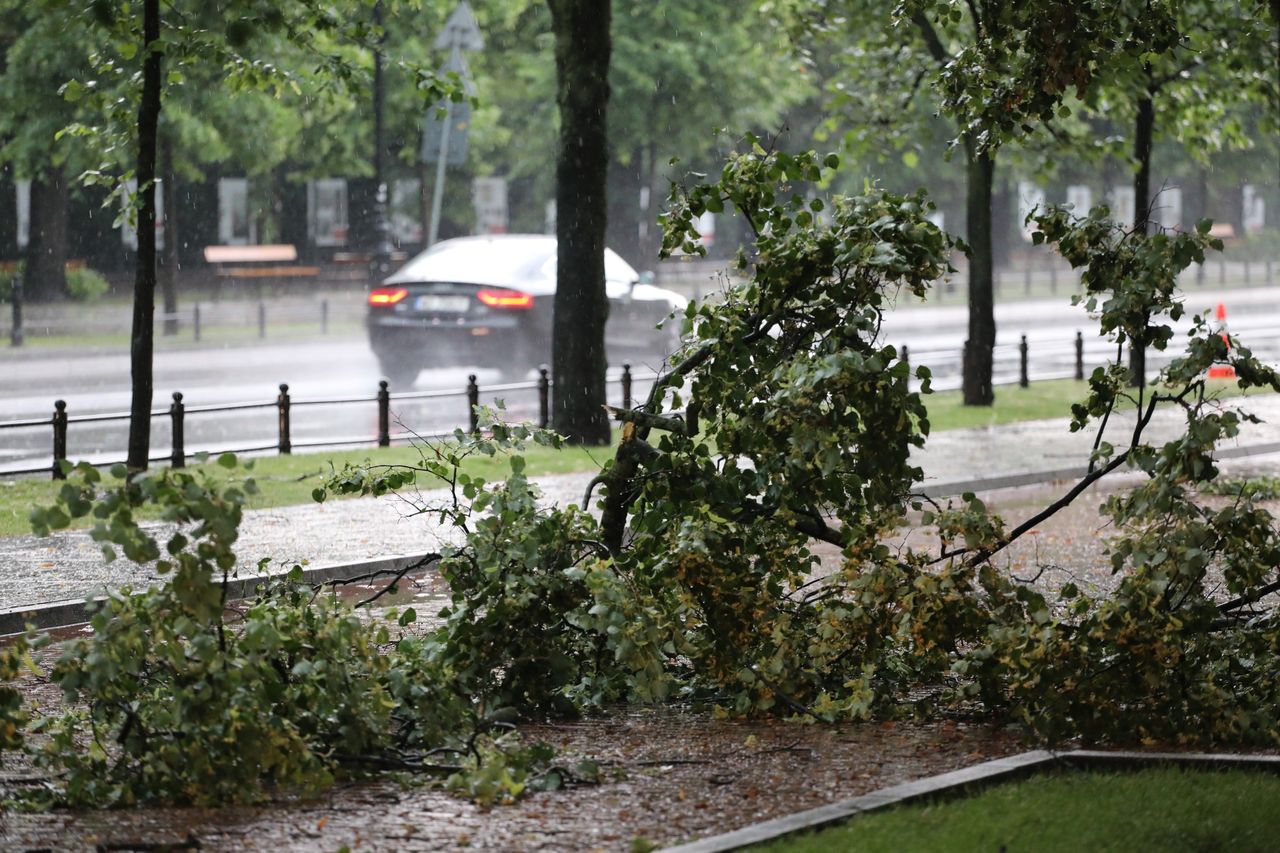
(60, 421)
(284, 404)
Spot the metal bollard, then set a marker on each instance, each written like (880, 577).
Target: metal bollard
(1079, 356)
(626, 386)
(177, 459)
(384, 414)
(282, 410)
(473, 400)
(195, 322)
(17, 334)
(906, 358)
(1022, 354)
(262, 320)
(59, 438)
(544, 398)
(324, 316)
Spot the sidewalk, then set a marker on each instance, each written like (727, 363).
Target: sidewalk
(69, 565)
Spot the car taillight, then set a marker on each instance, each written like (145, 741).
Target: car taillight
(387, 295)
(505, 298)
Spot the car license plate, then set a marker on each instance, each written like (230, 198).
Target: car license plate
(439, 304)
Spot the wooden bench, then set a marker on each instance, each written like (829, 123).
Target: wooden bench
(268, 262)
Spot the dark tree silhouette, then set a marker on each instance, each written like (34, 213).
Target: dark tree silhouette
(577, 353)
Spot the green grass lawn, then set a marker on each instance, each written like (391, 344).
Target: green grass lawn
(1168, 810)
(285, 480)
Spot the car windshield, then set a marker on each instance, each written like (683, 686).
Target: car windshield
(507, 261)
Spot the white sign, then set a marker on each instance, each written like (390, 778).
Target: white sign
(129, 230)
(1254, 210)
(461, 30)
(327, 212)
(1122, 207)
(24, 213)
(406, 211)
(234, 226)
(1030, 199)
(1080, 197)
(1168, 208)
(489, 195)
(706, 228)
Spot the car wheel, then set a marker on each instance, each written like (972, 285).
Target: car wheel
(400, 372)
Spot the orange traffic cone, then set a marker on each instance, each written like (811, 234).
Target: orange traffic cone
(1222, 371)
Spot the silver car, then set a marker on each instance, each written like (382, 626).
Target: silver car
(487, 301)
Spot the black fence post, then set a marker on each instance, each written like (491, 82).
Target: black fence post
(626, 386)
(473, 400)
(384, 414)
(282, 408)
(178, 459)
(1079, 356)
(1022, 357)
(195, 322)
(544, 398)
(59, 438)
(906, 358)
(262, 319)
(324, 316)
(17, 334)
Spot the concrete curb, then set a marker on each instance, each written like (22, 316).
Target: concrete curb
(965, 781)
(1031, 478)
(63, 614)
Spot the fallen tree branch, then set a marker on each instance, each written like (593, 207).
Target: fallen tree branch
(1249, 598)
(648, 420)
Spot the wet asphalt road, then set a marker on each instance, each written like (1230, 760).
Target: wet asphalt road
(342, 366)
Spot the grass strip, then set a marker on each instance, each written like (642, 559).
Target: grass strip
(1166, 809)
(288, 480)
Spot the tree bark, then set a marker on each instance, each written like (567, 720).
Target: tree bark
(47, 242)
(979, 347)
(1144, 132)
(169, 260)
(582, 46)
(144, 287)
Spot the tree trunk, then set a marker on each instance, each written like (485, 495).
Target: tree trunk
(46, 277)
(978, 350)
(144, 287)
(582, 47)
(1142, 139)
(169, 261)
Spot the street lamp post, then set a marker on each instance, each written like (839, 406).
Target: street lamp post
(383, 248)
(461, 32)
